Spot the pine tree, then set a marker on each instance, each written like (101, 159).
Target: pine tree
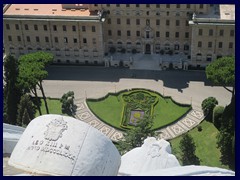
(188, 148)
(25, 106)
(25, 119)
(12, 92)
(135, 136)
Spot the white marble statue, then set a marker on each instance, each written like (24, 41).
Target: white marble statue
(152, 155)
(61, 145)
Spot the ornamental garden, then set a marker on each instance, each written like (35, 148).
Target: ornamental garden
(124, 109)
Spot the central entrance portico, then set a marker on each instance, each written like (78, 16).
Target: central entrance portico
(147, 49)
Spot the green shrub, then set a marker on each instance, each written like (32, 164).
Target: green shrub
(207, 106)
(199, 128)
(217, 116)
(67, 102)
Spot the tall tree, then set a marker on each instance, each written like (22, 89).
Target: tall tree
(32, 71)
(25, 106)
(12, 92)
(226, 137)
(188, 148)
(135, 136)
(222, 72)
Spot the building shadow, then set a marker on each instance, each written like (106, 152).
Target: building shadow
(176, 79)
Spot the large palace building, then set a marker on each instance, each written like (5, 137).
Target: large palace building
(111, 34)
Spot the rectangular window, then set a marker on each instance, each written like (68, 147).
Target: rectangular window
(128, 33)
(167, 34)
(199, 43)
(75, 40)
(28, 39)
(188, 6)
(54, 28)
(167, 5)
(186, 23)
(108, 5)
(56, 39)
(109, 32)
(96, 5)
(200, 32)
(127, 5)
(65, 39)
(9, 38)
(83, 28)
(232, 33)
(94, 41)
(35, 27)
(209, 44)
(64, 28)
(186, 34)
(93, 29)
(19, 38)
(119, 33)
(128, 21)
(178, 5)
(118, 21)
(221, 32)
(210, 32)
(137, 33)
(45, 27)
(109, 21)
(157, 34)
(37, 39)
(7, 26)
(84, 40)
(230, 45)
(167, 23)
(137, 21)
(177, 34)
(137, 5)
(201, 6)
(46, 39)
(148, 5)
(177, 22)
(117, 5)
(158, 22)
(74, 28)
(157, 5)
(17, 26)
(220, 44)
(26, 27)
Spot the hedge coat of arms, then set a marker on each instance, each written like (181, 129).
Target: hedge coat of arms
(55, 129)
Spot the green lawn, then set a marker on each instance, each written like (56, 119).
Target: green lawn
(206, 147)
(166, 111)
(110, 111)
(54, 106)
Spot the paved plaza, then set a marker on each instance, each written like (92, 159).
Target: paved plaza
(190, 87)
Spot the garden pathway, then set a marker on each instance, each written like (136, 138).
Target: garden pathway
(189, 121)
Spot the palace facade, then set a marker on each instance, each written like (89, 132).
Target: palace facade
(94, 33)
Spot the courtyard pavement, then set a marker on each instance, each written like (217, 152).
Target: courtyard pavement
(188, 87)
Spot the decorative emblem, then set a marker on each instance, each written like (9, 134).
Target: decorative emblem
(55, 129)
(154, 150)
